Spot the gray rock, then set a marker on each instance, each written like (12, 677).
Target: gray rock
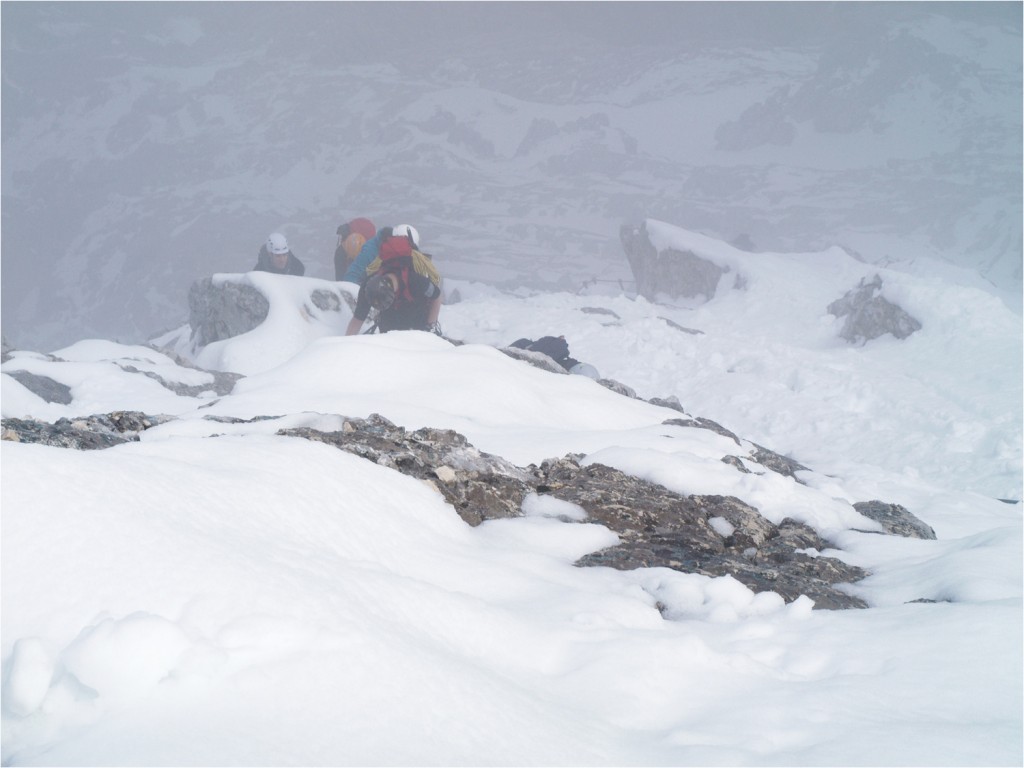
(656, 527)
(51, 391)
(478, 485)
(702, 423)
(599, 311)
(223, 311)
(668, 402)
(536, 359)
(671, 273)
(869, 315)
(777, 463)
(223, 381)
(895, 519)
(619, 388)
(683, 328)
(86, 433)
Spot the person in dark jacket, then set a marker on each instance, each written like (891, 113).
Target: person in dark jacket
(403, 286)
(276, 257)
(352, 236)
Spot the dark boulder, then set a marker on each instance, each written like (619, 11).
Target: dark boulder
(895, 519)
(671, 273)
(870, 315)
(223, 310)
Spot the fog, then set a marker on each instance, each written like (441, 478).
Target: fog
(146, 145)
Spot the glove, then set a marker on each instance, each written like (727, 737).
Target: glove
(435, 328)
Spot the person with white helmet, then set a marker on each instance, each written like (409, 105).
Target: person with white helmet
(357, 270)
(275, 256)
(403, 285)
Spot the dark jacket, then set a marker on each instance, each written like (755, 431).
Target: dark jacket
(265, 264)
(413, 298)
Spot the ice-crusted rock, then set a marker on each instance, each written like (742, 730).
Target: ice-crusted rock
(672, 273)
(870, 315)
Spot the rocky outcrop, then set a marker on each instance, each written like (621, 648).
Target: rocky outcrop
(709, 535)
(87, 433)
(895, 519)
(229, 308)
(870, 315)
(672, 273)
(223, 310)
(42, 386)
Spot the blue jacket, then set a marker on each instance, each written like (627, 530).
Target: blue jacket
(357, 270)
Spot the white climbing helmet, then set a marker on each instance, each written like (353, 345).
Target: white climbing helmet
(407, 230)
(584, 369)
(276, 243)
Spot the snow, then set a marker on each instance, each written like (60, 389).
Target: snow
(218, 594)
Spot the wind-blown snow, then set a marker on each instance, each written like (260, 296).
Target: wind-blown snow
(217, 594)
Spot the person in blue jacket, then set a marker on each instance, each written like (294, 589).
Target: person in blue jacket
(356, 271)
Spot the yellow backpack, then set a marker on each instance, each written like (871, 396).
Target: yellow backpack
(420, 262)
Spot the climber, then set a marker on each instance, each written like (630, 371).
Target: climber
(276, 257)
(352, 236)
(403, 286)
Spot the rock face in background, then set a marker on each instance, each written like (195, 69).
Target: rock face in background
(671, 273)
(869, 315)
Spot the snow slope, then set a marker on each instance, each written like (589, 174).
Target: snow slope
(216, 594)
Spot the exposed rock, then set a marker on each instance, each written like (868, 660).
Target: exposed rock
(656, 527)
(478, 485)
(536, 359)
(618, 387)
(223, 382)
(224, 310)
(49, 390)
(660, 528)
(895, 519)
(5, 349)
(776, 463)
(599, 311)
(683, 328)
(86, 433)
(672, 273)
(702, 423)
(668, 402)
(869, 316)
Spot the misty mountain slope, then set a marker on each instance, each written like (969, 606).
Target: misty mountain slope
(145, 149)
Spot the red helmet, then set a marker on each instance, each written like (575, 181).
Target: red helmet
(362, 227)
